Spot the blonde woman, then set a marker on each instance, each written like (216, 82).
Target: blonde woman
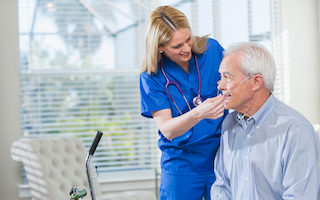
(178, 89)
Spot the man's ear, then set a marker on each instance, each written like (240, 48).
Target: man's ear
(257, 81)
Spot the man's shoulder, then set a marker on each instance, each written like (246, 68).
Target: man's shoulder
(285, 112)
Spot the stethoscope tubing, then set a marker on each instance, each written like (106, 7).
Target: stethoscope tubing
(169, 82)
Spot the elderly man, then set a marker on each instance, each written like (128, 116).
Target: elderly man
(268, 151)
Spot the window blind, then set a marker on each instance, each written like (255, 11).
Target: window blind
(80, 103)
(72, 83)
(79, 63)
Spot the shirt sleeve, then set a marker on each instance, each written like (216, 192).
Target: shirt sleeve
(220, 189)
(153, 96)
(300, 164)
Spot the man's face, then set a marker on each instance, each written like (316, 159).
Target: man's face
(234, 84)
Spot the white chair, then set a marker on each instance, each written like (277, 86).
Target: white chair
(54, 165)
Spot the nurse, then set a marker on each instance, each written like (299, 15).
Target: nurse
(178, 89)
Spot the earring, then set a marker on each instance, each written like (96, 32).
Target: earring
(161, 51)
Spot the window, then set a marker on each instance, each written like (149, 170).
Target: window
(79, 67)
(79, 76)
(259, 21)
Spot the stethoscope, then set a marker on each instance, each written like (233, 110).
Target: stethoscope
(197, 100)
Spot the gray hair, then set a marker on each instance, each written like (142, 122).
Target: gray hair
(255, 59)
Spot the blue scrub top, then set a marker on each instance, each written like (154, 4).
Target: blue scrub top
(193, 152)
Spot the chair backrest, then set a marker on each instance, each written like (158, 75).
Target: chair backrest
(53, 166)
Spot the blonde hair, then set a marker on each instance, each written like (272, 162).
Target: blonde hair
(161, 25)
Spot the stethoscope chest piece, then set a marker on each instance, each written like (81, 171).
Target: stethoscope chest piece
(197, 100)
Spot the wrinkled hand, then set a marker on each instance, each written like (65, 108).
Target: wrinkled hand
(211, 108)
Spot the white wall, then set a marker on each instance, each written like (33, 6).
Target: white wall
(300, 19)
(9, 98)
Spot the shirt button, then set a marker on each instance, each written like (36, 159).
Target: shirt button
(247, 157)
(257, 127)
(246, 178)
(248, 135)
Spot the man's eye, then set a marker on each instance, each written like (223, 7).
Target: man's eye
(228, 79)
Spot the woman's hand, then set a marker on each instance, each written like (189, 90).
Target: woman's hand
(211, 108)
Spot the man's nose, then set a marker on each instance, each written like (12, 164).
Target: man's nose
(221, 85)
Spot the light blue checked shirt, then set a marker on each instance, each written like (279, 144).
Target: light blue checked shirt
(272, 155)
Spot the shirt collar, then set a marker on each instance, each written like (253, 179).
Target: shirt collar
(260, 115)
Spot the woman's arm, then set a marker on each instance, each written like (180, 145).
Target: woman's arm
(211, 108)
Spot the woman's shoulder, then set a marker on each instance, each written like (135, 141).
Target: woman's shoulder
(153, 76)
(212, 43)
(211, 40)
(213, 48)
